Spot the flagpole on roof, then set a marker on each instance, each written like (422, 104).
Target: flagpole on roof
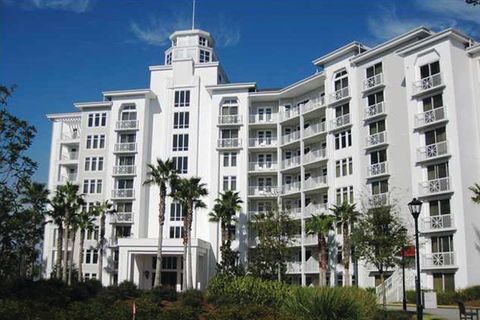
(193, 15)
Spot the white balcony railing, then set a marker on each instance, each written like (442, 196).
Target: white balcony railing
(124, 170)
(438, 223)
(376, 139)
(438, 260)
(314, 104)
(315, 155)
(290, 113)
(379, 200)
(290, 162)
(262, 142)
(377, 169)
(229, 143)
(68, 136)
(310, 239)
(340, 121)
(123, 193)
(372, 82)
(314, 129)
(122, 217)
(340, 94)
(230, 119)
(294, 212)
(430, 117)
(432, 151)
(427, 83)
(68, 177)
(294, 267)
(435, 186)
(374, 110)
(293, 136)
(262, 118)
(315, 182)
(291, 187)
(125, 147)
(262, 166)
(127, 124)
(69, 156)
(264, 191)
(316, 209)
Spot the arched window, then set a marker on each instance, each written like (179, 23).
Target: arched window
(128, 112)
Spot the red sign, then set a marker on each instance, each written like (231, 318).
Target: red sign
(408, 252)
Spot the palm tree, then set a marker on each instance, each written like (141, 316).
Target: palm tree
(189, 193)
(346, 215)
(85, 223)
(102, 209)
(163, 174)
(476, 193)
(58, 213)
(321, 226)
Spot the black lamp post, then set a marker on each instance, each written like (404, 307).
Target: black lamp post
(415, 206)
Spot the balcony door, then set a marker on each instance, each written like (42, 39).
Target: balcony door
(265, 160)
(442, 244)
(437, 171)
(430, 69)
(435, 136)
(264, 137)
(265, 184)
(432, 102)
(265, 114)
(128, 113)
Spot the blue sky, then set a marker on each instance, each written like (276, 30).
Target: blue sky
(63, 51)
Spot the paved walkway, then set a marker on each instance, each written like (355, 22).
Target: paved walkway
(445, 313)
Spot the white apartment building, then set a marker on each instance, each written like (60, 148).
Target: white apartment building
(396, 121)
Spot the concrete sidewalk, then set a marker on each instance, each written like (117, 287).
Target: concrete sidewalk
(444, 313)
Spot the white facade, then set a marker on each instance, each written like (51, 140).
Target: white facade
(393, 122)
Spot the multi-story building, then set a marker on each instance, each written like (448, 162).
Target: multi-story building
(392, 122)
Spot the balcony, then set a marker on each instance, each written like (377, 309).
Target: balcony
(68, 177)
(379, 200)
(314, 129)
(294, 213)
(258, 118)
(316, 209)
(263, 166)
(262, 142)
(229, 143)
(428, 83)
(340, 122)
(291, 137)
(73, 136)
(122, 217)
(430, 117)
(125, 147)
(290, 113)
(432, 151)
(315, 155)
(69, 156)
(374, 111)
(438, 223)
(377, 169)
(435, 186)
(230, 119)
(339, 95)
(291, 162)
(291, 187)
(294, 267)
(262, 191)
(315, 182)
(438, 260)
(124, 170)
(127, 125)
(123, 193)
(313, 105)
(310, 239)
(373, 82)
(376, 139)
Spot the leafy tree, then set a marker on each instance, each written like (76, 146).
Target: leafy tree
(85, 223)
(321, 225)
(189, 192)
(346, 215)
(473, 2)
(379, 237)
(476, 193)
(274, 230)
(163, 174)
(102, 209)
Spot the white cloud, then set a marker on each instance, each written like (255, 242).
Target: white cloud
(387, 24)
(157, 30)
(78, 6)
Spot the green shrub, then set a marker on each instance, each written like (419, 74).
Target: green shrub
(447, 297)
(246, 312)
(411, 296)
(470, 293)
(163, 293)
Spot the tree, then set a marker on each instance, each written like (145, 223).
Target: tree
(58, 213)
(163, 174)
(102, 209)
(85, 223)
(274, 230)
(224, 212)
(346, 215)
(379, 238)
(473, 2)
(476, 193)
(189, 192)
(321, 225)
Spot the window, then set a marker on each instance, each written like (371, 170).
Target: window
(202, 41)
(168, 59)
(176, 212)
(180, 142)
(128, 113)
(344, 167)
(229, 183)
(91, 186)
(229, 159)
(91, 256)
(377, 127)
(89, 276)
(374, 70)
(435, 136)
(432, 102)
(127, 138)
(343, 139)
(94, 164)
(97, 119)
(379, 187)
(375, 98)
(96, 141)
(344, 194)
(339, 254)
(444, 282)
(126, 161)
(229, 133)
(437, 171)
(342, 110)
(442, 244)
(182, 98)
(92, 234)
(169, 263)
(176, 232)
(430, 69)
(123, 207)
(123, 231)
(124, 184)
(180, 164)
(378, 156)
(181, 120)
(439, 207)
(341, 80)
(204, 56)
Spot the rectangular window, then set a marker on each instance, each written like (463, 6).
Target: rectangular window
(91, 186)
(379, 187)
(377, 127)
(96, 141)
(94, 164)
(180, 142)
(344, 194)
(204, 56)
(344, 167)
(343, 139)
(91, 256)
(182, 98)
(180, 164)
(430, 69)
(225, 183)
(176, 212)
(176, 232)
(181, 120)
(97, 119)
(374, 70)
(229, 159)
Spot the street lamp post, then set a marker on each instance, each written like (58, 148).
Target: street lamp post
(404, 300)
(415, 206)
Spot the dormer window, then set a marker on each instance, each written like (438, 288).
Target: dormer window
(204, 56)
(202, 41)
